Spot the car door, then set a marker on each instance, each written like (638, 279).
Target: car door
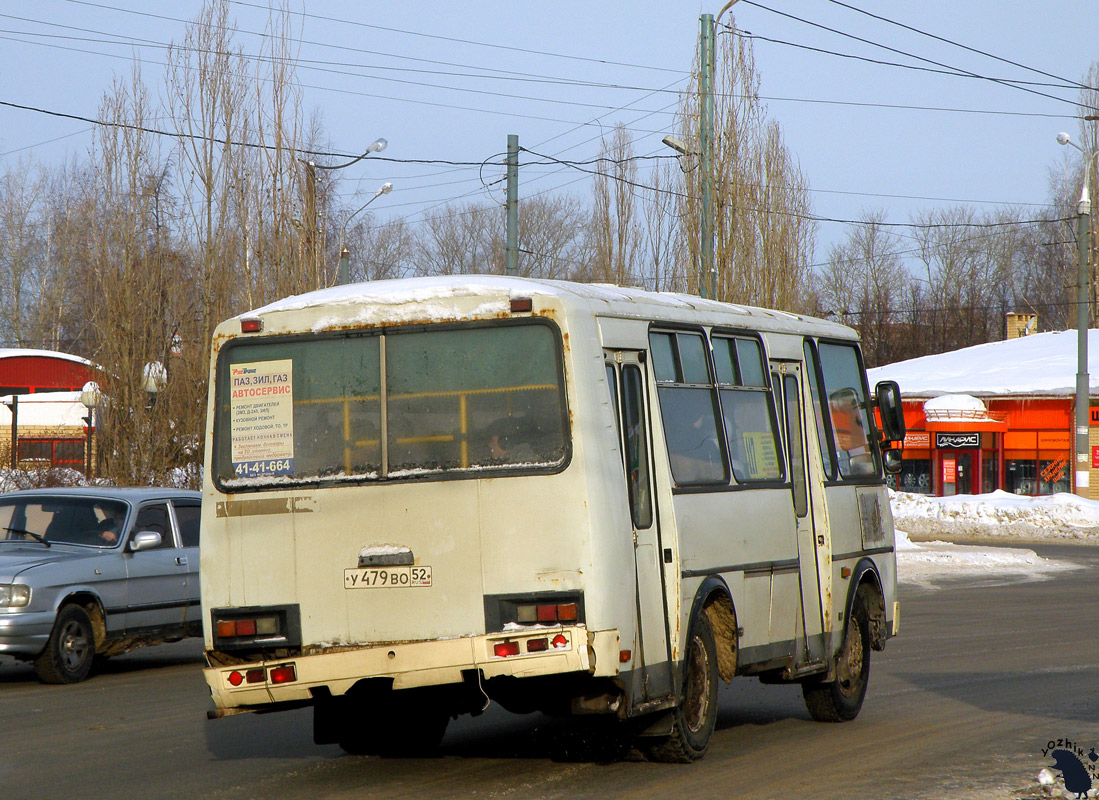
(156, 593)
(187, 512)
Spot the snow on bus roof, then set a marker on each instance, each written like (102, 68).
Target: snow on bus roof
(434, 296)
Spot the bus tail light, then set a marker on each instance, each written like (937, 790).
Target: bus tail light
(537, 645)
(547, 613)
(283, 674)
(245, 628)
(505, 649)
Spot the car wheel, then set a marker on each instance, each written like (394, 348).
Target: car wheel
(70, 649)
(840, 700)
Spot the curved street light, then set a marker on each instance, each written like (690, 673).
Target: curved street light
(344, 276)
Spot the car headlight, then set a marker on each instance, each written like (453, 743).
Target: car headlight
(14, 595)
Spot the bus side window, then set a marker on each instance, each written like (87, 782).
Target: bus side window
(687, 408)
(637, 446)
(747, 408)
(843, 382)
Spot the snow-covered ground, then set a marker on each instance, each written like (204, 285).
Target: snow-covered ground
(923, 523)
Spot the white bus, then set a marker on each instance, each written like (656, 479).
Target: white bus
(425, 495)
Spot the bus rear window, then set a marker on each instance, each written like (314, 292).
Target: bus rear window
(407, 404)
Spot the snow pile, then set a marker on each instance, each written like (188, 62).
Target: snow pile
(998, 515)
(993, 516)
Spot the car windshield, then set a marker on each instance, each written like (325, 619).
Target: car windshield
(90, 521)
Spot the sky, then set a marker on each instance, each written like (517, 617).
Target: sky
(450, 81)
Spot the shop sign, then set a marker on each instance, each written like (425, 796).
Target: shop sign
(1054, 440)
(957, 441)
(1095, 457)
(917, 439)
(950, 470)
(1094, 415)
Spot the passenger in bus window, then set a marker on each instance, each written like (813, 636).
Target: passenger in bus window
(508, 441)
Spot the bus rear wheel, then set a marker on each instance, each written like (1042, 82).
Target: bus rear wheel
(840, 700)
(694, 717)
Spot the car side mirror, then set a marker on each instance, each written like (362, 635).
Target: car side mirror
(145, 540)
(887, 395)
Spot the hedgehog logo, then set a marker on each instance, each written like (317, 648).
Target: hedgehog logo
(1079, 771)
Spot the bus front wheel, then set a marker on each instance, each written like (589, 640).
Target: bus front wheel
(841, 699)
(694, 717)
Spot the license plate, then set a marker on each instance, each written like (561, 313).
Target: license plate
(386, 577)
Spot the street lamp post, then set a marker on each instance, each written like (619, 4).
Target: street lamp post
(344, 276)
(311, 167)
(1083, 382)
(89, 398)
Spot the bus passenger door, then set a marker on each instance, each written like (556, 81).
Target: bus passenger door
(652, 657)
(810, 644)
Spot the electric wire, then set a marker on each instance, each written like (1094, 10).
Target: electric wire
(910, 55)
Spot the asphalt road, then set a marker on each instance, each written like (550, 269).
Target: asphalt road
(960, 706)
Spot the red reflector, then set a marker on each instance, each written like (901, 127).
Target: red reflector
(537, 645)
(226, 628)
(560, 641)
(283, 674)
(251, 325)
(236, 678)
(845, 572)
(254, 675)
(503, 649)
(547, 613)
(567, 612)
(624, 655)
(521, 304)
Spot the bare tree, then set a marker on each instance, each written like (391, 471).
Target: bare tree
(23, 239)
(762, 224)
(131, 286)
(664, 264)
(615, 231)
(863, 283)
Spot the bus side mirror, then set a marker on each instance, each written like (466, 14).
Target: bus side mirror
(887, 395)
(892, 461)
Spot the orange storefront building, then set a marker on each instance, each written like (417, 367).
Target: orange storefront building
(995, 416)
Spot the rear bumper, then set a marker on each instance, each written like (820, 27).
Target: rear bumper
(412, 665)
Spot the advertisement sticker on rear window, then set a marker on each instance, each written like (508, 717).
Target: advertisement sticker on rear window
(262, 418)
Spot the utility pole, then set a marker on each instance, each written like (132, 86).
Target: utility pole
(707, 278)
(513, 206)
(311, 216)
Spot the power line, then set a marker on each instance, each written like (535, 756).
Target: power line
(908, 55)
(1075, 84)
(796, 215)
(897, 64)
(524, 50)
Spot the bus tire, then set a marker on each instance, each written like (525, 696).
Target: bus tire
(841, 699)
(70, 650)
(695, 715)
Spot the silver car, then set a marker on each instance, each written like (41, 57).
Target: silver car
(90, 573)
